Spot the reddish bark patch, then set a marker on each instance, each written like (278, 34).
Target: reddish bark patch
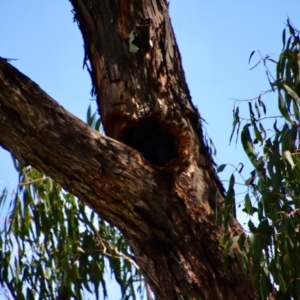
(114, 123)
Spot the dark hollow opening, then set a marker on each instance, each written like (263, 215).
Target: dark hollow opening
(157, 145)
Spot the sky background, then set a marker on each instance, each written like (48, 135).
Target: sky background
(215, 40)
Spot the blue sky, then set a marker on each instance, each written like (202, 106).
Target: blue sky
(215, 40)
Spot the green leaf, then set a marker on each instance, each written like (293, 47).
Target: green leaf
(257, 132)
(98, 124)
(230, 199)
(261, 103)
(224, 239)
(251, 56)
(275, 127)
(289, 158)
(213, 147)
(255, 65)
(221, 168)
(236, 120)
(248, 205)
(251, 226)
(88, 114)
(282, 283)
(132, 48)
(286, 138)
(281, 66)
(241, 241)
(247, 144)
(272, 60)
(292, 93)
(265, 229)
(264, 286)
(229, 246)
(282, 107)
(295, 110)
(261, 128)
(291, 28)
(241, 168)
(270, 82)
(252, 116)
(283, 38)
(257, 110)
(3, 197)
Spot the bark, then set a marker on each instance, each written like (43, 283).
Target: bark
(163, 195)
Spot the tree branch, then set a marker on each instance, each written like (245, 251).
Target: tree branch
(108, 175)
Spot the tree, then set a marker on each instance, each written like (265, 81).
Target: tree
(141, 92)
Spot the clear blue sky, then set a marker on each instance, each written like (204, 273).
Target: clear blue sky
(215, 40)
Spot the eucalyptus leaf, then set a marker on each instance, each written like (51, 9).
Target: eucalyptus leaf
(132, 48)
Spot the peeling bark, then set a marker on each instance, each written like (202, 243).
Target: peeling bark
(163, 195)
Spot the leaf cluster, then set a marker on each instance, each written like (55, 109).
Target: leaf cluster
(271, 247)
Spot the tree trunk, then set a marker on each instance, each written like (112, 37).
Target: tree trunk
(163, 195)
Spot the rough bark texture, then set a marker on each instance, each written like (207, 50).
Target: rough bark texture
(163, 196)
